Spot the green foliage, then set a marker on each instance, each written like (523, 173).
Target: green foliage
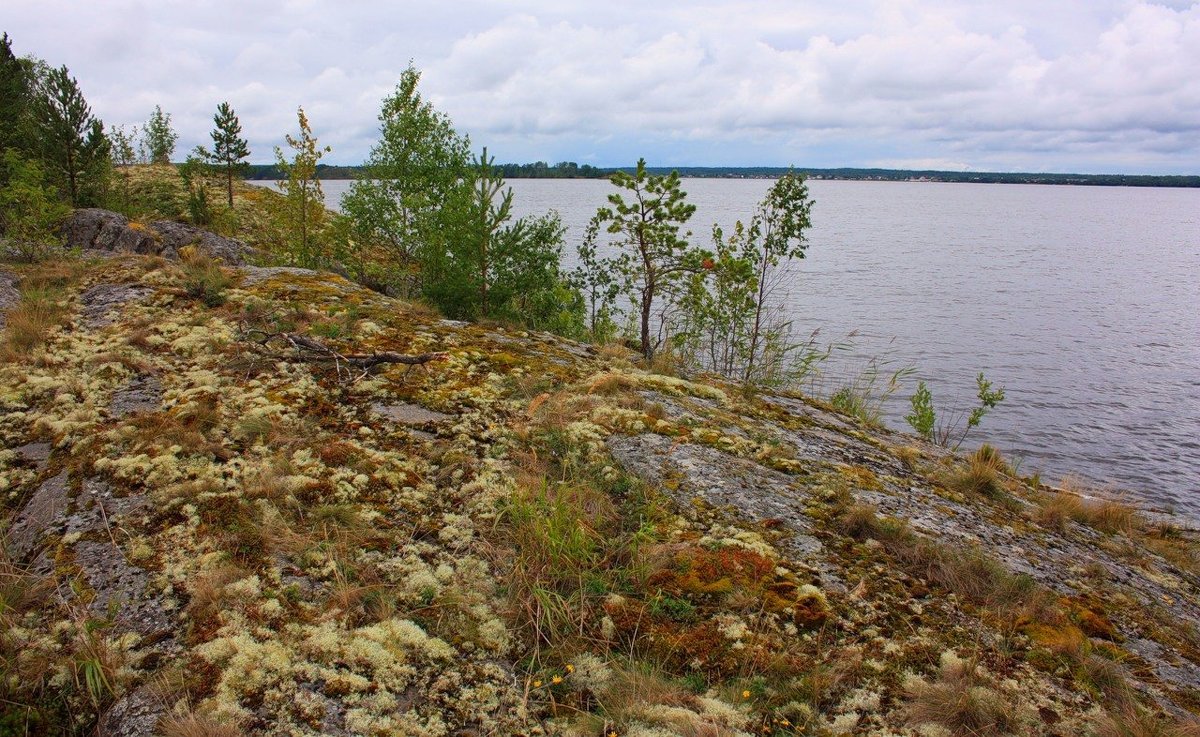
(493, 266)
(416, 166)
(29, 210)
(597, 287)
(653, 257)
(865, 395)
(194, 172)
(124, 156)
(15, 90)
(158, 138)
(230, 150)
(730, 323)
(953, 431)
(74, 149)
(923, 417)
(303, 211)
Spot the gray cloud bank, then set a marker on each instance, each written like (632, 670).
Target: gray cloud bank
(1080, 85)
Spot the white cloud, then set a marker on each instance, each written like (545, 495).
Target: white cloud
(1081, 84)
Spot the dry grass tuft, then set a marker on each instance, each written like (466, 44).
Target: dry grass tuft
(207, 592)
(1132, 722)
(909, 456)
(983, 475)
(194, 725)
(1077, 503)
(28, 325)
(962, 700)
(203, 277)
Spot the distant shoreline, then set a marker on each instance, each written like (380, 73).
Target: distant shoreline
(569, 170)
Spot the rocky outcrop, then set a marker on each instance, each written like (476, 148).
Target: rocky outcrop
(319, 554)
(9, 296)
(93, 229)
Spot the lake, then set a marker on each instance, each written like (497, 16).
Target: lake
(1082, 302)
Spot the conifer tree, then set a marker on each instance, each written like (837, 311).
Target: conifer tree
(230, 150)
(75, 150)
(14, 98)
(304, 202)
(652, 255)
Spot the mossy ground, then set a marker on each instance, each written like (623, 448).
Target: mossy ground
(324, 570)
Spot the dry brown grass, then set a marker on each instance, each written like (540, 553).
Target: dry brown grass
(1075, 502)
(28, 325)
(983, 474)
(1133, 722)
(909, 456)
(207, 591)
(962, 700)
(615, 351)
(194, 725)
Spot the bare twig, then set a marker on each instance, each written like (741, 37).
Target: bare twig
(312, 350)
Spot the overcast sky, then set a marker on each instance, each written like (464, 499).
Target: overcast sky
(1026, 85)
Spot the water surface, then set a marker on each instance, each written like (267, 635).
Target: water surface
(1082, 302)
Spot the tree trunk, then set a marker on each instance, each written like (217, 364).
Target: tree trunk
(758, 308)
(229, 182)
(647, 301)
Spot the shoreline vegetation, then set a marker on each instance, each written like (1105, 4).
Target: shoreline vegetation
(266, 469)
(571, 170)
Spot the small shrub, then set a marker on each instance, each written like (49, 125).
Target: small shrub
(950, 431)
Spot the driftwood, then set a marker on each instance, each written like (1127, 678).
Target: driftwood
(350, 366)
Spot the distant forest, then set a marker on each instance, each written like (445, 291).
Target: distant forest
(571, 170)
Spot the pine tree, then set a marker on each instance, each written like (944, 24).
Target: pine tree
(652, 257)
(230, 150)
(14, 98)
(75, 150)
(304, 202)
(158, 137)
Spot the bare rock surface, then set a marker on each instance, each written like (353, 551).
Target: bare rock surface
(142, 393)
(100, 304)
(104, 230)
(121, 588)
(42, 510)
(404, 413)
(136, 714)
(38, 453)
(258, 274)
(9, 296)
(719, 479)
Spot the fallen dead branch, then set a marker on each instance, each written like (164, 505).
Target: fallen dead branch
(351, 367)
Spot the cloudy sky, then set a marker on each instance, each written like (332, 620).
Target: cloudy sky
(1028, 85)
